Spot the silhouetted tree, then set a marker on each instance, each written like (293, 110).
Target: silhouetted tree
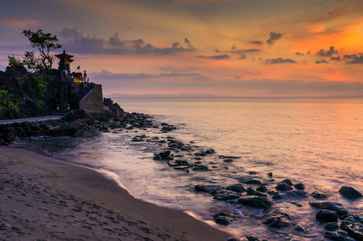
(45, 43)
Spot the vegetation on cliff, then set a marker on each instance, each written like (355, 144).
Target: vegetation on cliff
(30, 86)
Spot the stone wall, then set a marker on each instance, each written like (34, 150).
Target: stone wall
(92, 102)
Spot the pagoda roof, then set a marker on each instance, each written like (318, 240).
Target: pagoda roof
(64, 55)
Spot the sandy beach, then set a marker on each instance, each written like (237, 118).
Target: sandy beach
(46, 199)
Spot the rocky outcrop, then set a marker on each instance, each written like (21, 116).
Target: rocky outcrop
(92, 102)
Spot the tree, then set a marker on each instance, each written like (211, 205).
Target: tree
(9, 107)
(45, 43)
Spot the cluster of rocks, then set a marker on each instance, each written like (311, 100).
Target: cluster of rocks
(247, 191)
(338, 222)
(75, 124)
(263, 193)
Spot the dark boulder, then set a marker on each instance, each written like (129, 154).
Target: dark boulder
(223, 219)
(7, 135)
(178, 163)
(256, 202)
(319, 195)
(337, 236)
(326, 205)
(200, 168)
(278, 220)
(210, 189)
(139, 138)
(262, 188)
(252, 192)
(299, 186)
(75, 115)
(116, 111)
(250, 180)
(229, 157)
(165, 127)
(225, 195)
(284, 186)
(297, 194)
(205, 152)
(238, 188)
(326, 216)
(163, 156)
(332, 206)
(331, 226)
(350, 193)
(298, 228)
(287, 181)
(252, 238)
(354, 229)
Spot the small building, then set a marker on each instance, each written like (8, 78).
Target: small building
(89, 94)
(64, 66)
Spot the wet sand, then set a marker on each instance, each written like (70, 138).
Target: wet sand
(46, 199)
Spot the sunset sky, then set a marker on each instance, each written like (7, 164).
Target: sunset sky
(202, 47)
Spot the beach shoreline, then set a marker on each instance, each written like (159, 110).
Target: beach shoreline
(47, 199)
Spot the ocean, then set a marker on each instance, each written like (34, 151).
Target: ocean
(315, 141)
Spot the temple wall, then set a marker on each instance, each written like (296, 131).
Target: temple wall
(92, 102)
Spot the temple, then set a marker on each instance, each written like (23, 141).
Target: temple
(77, 88)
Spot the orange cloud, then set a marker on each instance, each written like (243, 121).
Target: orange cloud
(347, 37)
(18, 23)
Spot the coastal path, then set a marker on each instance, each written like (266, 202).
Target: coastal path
(31, 119)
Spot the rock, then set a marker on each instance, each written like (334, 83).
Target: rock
(319, 195)
(350, 193)
(165, 128)
(163, 156)
(278, 220)
(299, 186)
(253, 192)
(297, 194)
(275, 195)
(250, 180)
(256, 202)
(179, 163)
(200, 168)
(332, 206)
(210, 189)
(7, 135)
(261, 188)
(287, 181)
(139, 138)
(326, 216)
(205, 152)
(326, 205)
(238, 188)
(229, 157)
(222, 219)
(337, 236)
(284, 186)
(331, 226)
(228, 160)
(114, 108)
(178, 145)
(182, 168)
(354, 230)
(251, 238)
(225, 195)
(299, 228)
(75, 115)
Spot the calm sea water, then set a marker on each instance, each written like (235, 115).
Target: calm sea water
(318, 142)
